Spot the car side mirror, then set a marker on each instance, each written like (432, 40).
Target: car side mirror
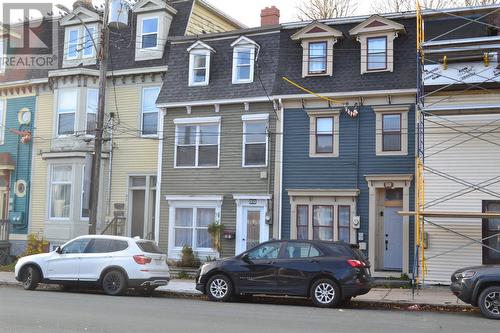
(246, 258)
(58, 250)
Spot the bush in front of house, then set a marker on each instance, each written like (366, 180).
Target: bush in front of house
(188, 258)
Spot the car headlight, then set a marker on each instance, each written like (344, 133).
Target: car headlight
(465, 275)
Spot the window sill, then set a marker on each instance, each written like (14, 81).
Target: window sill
(318, 74)
(243, 82)
(325, 155)
(392, 153)
(254, 166)
(196, 167)
(369, 71)
(198, 84)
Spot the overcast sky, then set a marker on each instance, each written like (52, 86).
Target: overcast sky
(245, 11)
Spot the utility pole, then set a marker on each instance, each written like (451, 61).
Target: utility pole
(99, 137)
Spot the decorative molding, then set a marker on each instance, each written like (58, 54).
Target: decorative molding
(323, 192)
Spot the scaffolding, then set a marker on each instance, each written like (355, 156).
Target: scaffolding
(439, 113)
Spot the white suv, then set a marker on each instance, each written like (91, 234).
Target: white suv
(114, 263)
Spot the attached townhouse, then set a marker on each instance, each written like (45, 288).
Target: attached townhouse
(347, 150)
(460, 150)
(218, 155)
(66, 118)
(19, 88)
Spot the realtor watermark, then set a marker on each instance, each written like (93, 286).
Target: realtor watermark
(28, 36)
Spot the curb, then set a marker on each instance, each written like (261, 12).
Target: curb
(354, 304)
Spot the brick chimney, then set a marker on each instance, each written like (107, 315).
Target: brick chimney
(83, 3)
(269, 16)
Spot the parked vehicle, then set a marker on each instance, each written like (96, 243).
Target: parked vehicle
(327, 272)
(111, 262)
(479, 286)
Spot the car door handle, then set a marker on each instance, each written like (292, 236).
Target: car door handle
(386, 244)
(314, 261)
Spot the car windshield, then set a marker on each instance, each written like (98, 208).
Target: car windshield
(149, 247)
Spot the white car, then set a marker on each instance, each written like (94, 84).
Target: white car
(112, 262)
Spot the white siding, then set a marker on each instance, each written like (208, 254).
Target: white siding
(474, 160)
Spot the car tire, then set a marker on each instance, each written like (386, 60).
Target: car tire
(114, 283)
(325, 293)
(30, 278)
(219, 288)
(489, 302)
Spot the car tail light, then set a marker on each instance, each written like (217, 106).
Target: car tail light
(356, 263)
(142, 259)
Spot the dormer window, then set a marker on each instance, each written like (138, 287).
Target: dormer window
(244, 54)
(154, 18)
(149, 34)
(318, 57)
(79, 42)
(199, 64)
(81, 37)
(376, 36)
(317, 41)
(377, 53)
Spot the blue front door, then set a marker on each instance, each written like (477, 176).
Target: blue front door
(393, 239)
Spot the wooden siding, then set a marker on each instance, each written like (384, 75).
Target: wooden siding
(347, 171)
(474, 160)
(230, 178)
(44, 118)
(204, 20)
(132, 155)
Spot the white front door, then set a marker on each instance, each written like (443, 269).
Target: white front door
(251, 228)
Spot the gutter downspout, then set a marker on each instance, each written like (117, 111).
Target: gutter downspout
(282, 140)
(159, 167)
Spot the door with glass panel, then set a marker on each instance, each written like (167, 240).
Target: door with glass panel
(142, 197)
(250, 229)
(491, 234)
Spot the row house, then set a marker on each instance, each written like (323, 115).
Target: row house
(246, 148)
(218, 155)
(460, 103)
(19, 88)
(65, 118)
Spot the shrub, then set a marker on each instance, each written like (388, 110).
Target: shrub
(188, 259)
(36, 244)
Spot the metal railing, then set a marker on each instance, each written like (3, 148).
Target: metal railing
(115, 227)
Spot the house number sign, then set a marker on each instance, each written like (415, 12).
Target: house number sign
(252, 201)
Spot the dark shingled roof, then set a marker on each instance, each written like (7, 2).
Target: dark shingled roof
(176, 86)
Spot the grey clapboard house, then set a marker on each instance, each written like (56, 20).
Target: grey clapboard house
(218, 158)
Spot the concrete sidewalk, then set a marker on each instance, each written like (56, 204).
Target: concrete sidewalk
(431, 296)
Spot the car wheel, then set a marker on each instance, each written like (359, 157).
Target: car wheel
(325, 293)
(114, 283)
(489, 302)
(31, 278)
(219, 288)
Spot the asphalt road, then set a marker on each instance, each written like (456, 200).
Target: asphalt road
(57, 311)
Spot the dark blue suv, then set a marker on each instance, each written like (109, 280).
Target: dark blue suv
(327, 272)
(479, 286)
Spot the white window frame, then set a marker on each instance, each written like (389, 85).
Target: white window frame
(3, 119)
(157, 111)
(192, 55)
(59, 91)
(81, 197)
(236, 66)
(252, 119)
(196, 122)
(144, 18)
(174, 202)
(87, 109)
(52, 182)
(68, 43)
(93, 35)
(385, 38)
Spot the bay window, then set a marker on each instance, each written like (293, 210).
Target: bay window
(91, 115)
(60, 191)
(197, 145)
(67, 103)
